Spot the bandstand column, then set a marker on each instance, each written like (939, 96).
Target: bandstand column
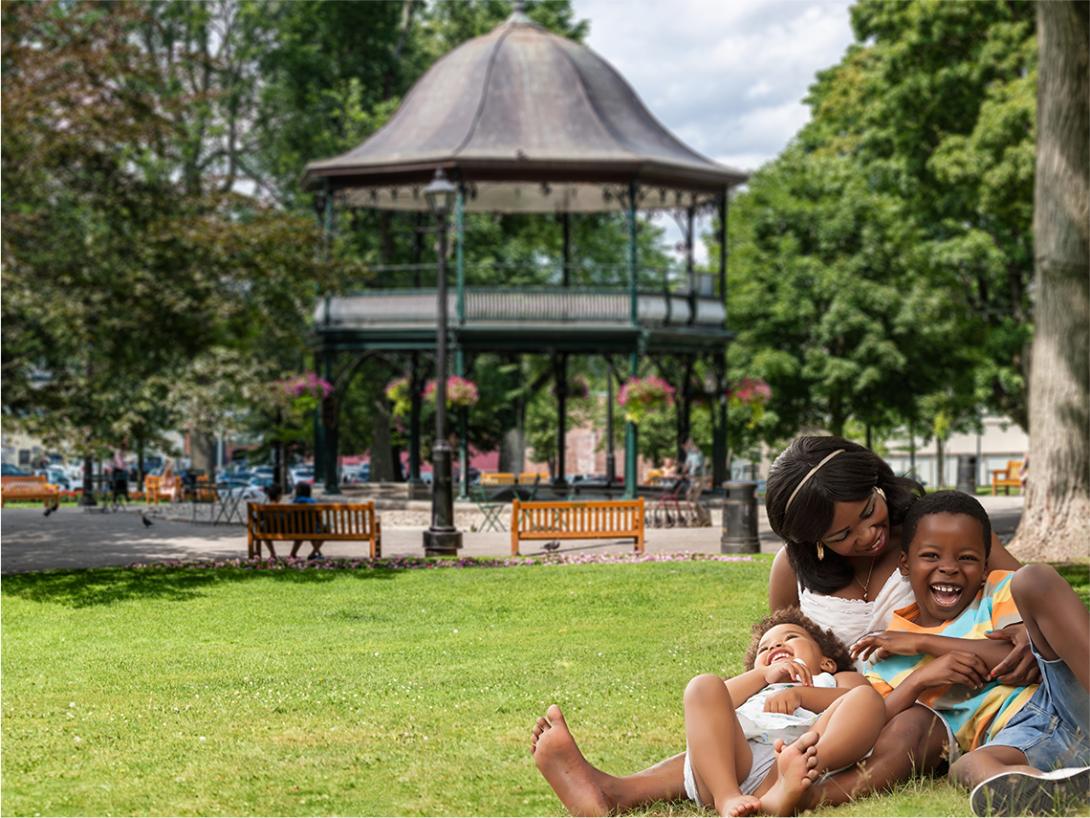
(329, 405)
(329, 421)
(631, 440)
(560, 379)
(319, 435)
(415, 381)
(719, 442)
(414, 419)
(459, 353)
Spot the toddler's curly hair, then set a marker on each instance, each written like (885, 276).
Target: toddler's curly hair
(830, 645)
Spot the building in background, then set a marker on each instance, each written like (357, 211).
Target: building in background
(1000, 440)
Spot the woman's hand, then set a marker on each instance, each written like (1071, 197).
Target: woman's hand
(784, 701)
(1020, 665)
(874, 647)
(788, 671)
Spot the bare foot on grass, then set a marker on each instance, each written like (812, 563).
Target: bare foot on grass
(570, 775)
(741, 805)
(796, 766)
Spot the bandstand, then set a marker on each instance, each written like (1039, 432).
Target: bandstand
(525, 121)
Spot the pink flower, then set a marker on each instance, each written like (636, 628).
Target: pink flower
(750, 390)
(307, 383)
(460, 391)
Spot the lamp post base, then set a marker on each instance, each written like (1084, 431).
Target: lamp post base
(439, 543)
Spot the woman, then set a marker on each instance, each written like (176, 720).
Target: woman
(838, 507)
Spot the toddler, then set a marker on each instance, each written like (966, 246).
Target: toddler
(756, 741)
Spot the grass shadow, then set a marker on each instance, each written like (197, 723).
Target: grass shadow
(106, 586)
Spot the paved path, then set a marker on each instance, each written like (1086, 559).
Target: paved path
(76, 538)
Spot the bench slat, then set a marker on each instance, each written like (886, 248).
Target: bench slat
(566, 520)
(340, 522)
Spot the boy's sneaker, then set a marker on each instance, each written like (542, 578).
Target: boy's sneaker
(1017, 793)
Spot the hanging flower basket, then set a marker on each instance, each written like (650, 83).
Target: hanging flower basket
(461, 392)
(398, 393)
(306, 384)
(750, 395)
(642, 396)
(749, 391)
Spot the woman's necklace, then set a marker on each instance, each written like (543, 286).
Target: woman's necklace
(865, 585)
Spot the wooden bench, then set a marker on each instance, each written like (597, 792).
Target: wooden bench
(30, 488)
(568, 520)
(527, 478)
(498, 478)
(1008, 478)
(157, 487)
(304, 522)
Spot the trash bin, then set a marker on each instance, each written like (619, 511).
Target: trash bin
(967, 473)
(740, 518)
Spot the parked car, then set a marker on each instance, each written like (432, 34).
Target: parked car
(14, 471)
(356, 474)
(57, 477)
(302, 474)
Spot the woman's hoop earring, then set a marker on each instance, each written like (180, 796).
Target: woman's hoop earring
(821, 551)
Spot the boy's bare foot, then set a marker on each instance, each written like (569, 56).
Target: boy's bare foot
(570, 775)
(796, 765)
(741, 805)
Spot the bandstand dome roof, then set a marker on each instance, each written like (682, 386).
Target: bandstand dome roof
(530, 122)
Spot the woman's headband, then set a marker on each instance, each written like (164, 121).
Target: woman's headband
(810, 474)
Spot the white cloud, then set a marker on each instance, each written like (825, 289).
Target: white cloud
(726, 76)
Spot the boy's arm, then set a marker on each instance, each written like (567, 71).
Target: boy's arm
(957, 667)
(992, 651)
(874, 647)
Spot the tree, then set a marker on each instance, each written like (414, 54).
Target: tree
(880, 265)
(124, 266)
(1057, 505)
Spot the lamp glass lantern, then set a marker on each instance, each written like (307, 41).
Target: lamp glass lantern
(440, 194)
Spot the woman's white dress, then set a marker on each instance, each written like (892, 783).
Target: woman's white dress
(850, 619)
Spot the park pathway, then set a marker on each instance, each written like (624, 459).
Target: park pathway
(75, 538)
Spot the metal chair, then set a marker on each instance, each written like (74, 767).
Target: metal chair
(492, 511)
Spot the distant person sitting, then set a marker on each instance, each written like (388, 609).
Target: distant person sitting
(272, 494)
(302, 495)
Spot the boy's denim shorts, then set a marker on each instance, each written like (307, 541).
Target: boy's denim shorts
(1053, 727)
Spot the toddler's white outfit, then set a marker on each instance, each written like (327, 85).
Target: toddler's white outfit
(761, 730)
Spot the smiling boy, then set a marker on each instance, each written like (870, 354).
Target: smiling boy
(936, 651)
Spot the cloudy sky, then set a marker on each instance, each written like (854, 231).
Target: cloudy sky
(726, 76)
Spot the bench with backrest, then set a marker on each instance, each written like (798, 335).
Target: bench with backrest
(305, 522)
(1008, 478)
(531, 478)
(30, 489)
(569, 520)
(497, 478)
(157, 487)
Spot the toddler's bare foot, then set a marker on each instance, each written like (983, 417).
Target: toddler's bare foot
(796, 766)
(741, 805)
(570, 775)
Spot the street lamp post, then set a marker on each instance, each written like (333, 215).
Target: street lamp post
(442, 538)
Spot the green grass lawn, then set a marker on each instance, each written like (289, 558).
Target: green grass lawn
(368, 692)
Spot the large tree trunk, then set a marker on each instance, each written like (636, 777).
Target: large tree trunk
(1054, 523)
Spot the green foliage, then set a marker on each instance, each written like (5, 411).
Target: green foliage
(880, 265)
